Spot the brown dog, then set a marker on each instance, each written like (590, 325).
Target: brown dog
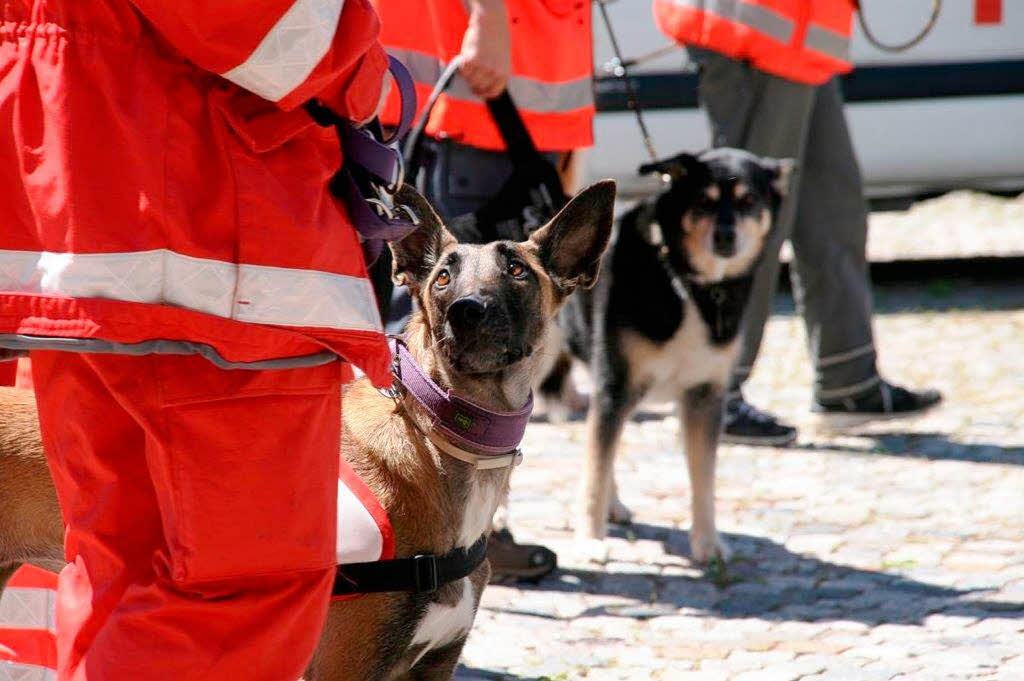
(483, 313)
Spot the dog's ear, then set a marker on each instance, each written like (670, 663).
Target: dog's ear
(416, 254)
(676, 167)
(571, 245)
(780, 172)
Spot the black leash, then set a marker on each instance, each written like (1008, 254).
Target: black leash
(619, 68)
(527, 200)
(423, 573)
(904, 46)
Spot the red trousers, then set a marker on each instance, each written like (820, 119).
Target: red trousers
(200, 513)
(8, 372)
(16, 373)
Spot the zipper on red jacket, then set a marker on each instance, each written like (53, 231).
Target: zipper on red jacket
(803, 20)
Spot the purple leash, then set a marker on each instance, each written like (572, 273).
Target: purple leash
(381, 165)
(489, 439)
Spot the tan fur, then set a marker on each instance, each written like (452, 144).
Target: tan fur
(30, 525)
(697, 243)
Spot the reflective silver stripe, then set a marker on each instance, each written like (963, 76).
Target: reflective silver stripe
(246, 293)
(290, 50)
(527, 93)
(849, 390)
(827, 41)
(843, 357)
(25, 608)
(159, 347)
(14, 671)
(760, 18)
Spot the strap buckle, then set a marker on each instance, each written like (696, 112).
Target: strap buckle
(424, 573)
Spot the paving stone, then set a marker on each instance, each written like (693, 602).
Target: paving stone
(891, 552)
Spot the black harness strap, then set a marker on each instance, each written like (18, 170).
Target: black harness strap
(721, 305)
(420, 574)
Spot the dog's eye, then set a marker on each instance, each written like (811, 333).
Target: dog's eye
(745, 202)
(517, 269)
(444, 277)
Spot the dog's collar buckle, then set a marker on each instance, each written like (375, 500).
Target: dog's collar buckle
(424, 573)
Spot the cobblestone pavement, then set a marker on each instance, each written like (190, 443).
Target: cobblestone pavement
(896, 552)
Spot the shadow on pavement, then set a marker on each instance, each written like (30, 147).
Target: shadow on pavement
(769, 582)
(464, 673)
(928, 446)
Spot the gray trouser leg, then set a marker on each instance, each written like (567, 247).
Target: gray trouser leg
(831, 284)
(772, 116)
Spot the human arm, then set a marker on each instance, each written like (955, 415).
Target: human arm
(286, 51)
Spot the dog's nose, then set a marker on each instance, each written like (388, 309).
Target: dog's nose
(465, 314)
(724, 241)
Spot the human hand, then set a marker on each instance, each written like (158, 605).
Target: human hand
(486, 54)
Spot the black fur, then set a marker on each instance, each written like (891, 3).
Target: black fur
(636, 291)
(667, 252)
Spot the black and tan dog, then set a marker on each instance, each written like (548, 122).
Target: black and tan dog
(483, 313)
(663, 320)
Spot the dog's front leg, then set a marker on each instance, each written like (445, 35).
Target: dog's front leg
(605, 419)
(701, 419)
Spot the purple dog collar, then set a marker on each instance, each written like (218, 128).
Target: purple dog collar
(467, 431)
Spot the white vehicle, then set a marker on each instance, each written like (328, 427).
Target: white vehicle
(944, 114)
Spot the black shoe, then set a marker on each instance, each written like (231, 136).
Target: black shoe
(745, 424)
(513, 562)
(881, 401)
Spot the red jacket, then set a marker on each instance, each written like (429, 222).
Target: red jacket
(803, 40)
(552, 69)
(158, 185)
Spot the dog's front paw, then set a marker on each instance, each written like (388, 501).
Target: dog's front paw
(619, 513)
(590, 527)
(707, 546)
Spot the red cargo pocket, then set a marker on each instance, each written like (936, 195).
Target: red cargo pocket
(251, 466)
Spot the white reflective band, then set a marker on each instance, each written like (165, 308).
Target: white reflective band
(246, 293)
(527, 93)
(848, 390)
(359, 539)
(756, 16)
(24, 608)
(14, 671)
(843, 357)
(290, 50)
(826, 41)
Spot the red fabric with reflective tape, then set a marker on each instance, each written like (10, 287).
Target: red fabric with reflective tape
(794, 60)
(29, 646)
(551, 43)
(176, 158)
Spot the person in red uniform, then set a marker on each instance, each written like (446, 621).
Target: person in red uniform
(768, 81)
(186, 284)
(541, 52)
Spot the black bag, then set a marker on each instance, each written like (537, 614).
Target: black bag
(528, 199)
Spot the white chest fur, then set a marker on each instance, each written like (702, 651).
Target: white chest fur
(686, 360)
(444, 624)
(487, 488)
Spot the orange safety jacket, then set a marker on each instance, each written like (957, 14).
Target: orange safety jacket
(162, 190)
(803, 40)
(552, 69)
